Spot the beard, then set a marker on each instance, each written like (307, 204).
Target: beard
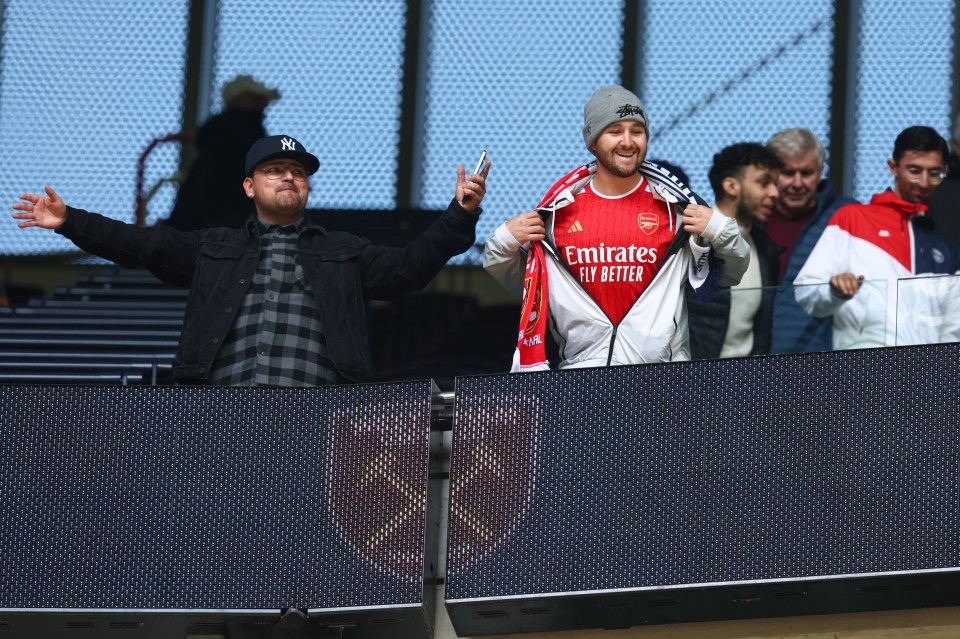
(751, 209)
(282, 206)
(609, 161)
(287, 198)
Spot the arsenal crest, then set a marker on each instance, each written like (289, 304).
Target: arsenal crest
(648, 222)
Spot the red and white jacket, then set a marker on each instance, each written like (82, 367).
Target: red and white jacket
(655, 327)
(898, 302)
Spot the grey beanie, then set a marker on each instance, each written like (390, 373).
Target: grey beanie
(608, 105)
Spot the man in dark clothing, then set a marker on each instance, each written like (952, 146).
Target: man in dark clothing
(280, 301)
(736, 322)
(211, 195)
(805, 206)
(945, 202)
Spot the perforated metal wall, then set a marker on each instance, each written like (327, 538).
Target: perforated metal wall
(338, 65)
(512, 78)
(85, 87)
(905, 61)
(717, 73)
(90, 84)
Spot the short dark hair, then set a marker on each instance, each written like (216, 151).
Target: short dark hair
(732, 160)
(921, 139)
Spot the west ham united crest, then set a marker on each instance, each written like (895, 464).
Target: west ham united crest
(376, 485)
(494, 475)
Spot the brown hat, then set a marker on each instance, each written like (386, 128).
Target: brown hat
(246, 84)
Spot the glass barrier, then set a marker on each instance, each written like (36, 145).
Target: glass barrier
(791, 319)
(928, 310)
(795, 319)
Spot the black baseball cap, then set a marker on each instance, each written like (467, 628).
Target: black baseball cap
(276, 147)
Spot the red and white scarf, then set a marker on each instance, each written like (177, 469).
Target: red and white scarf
(531, 343)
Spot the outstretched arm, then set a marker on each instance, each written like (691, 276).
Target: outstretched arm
(169, 254)
(46, 212)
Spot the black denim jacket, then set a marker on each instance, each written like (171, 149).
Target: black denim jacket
(217, 265)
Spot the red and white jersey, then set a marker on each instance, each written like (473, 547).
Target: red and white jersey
(614, 245)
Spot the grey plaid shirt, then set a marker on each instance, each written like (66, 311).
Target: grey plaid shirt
(277, 337)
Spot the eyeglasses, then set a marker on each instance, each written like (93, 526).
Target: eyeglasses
(277, 172)
(934, 176)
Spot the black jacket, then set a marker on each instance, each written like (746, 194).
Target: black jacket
(708, 321)
(218, 266)
(944, 204)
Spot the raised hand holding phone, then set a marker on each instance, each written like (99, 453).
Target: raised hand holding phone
(470, 190)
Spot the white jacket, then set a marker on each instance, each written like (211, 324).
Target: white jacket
(655, 328)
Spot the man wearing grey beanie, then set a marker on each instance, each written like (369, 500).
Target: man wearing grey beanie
(607, 254)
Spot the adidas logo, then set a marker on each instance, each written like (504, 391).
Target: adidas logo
(575, 227)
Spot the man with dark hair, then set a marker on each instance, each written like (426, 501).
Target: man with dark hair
(853, 271)
(736, 323)
(617, 239)
(806, 204)
(282, 301)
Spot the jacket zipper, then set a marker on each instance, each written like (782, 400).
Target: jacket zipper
(613, 338)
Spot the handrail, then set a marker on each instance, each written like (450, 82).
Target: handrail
(140, 211)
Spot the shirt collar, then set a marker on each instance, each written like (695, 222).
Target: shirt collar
(255, 226)
(263, 227)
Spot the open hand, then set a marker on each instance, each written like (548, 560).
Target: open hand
(46, 212)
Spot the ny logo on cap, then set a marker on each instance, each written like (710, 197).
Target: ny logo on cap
(287, 144)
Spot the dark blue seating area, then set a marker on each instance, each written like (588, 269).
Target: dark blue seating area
(114, 327)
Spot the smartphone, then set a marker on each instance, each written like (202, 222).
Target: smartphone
(483, 158)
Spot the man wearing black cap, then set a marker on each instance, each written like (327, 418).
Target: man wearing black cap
(281, 302)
